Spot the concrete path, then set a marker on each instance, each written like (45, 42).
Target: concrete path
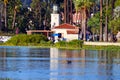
(103, 43)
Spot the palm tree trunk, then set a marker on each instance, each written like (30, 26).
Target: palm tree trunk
(84, 23)
(68, 13)
(106, 23)
(13, 23)
(113, 2)
(101, 27)
(65, 9)
(5, 16)
(71, 18)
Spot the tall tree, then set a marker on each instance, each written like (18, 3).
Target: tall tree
(113, 4)
(15, 11)
(94, 24)
(83, 6)
(1, 13)
(117, 3)
(101, 21)
(37, 10)
(65, 11)
(12, 8)
(106, 22)
(14, 17)
(68, 11)
(16, 8)
(5, 4)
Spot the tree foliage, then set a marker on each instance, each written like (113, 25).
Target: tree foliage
(10, 11)
(39, 15)
(94, 23)
(115, 25)
(117, 3)
(82, 3)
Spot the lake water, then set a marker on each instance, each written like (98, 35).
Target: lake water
(25, 63)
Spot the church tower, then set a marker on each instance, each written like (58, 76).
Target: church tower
(55, 17)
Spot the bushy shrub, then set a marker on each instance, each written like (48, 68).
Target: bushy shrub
(76, 43)
(41, 40)
(23, 39)
(61, 44)
(72, 44)
(50, 43)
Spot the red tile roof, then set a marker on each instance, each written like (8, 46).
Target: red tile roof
(65, 26)
(72, 32)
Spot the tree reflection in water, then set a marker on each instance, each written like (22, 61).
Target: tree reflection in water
(58, 64)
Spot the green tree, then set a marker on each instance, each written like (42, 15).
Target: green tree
(115, 25)
(16, 10)
(94, 24)
(83, 6)
(23, 19)
(36, 8)
(13, 7)
(117, 3)
(5, 5)
(101, 20)
(106, 22)
(1, 13)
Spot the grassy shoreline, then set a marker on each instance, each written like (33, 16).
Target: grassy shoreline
(41, 41)
(87, 47)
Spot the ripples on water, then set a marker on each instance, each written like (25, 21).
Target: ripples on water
(23, 63)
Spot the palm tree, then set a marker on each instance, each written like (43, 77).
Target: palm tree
(106, 22)
(65, 1)
(101, 27)
(1, 7)
(5, 4)
(83, 6)
(113, 4)
(14, 17)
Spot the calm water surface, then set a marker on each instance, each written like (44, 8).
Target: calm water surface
(23, 63)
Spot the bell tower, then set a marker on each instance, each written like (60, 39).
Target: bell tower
(55, 17)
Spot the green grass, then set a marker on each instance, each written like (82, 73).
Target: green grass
(42, 41)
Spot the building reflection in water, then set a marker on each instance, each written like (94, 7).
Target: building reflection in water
(65, 61)
(53, 62)
(60, 62)
(99, 63)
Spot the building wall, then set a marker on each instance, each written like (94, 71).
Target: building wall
(62, 31)
(68, 37)
(72, 37)
(77, 18)
(55, 20)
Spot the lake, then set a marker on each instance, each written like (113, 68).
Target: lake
(27, 63)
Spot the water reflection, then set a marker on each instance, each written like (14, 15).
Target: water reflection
(88, 65)
(22, 63)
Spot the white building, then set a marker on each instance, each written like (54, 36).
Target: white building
(67, 31)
